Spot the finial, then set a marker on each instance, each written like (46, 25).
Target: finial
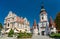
(42, 6)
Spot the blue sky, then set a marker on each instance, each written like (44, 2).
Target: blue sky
(28, 8)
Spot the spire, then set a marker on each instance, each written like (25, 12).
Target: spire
(50, 22)
(34, 24)
(42, 7)
(43, 11)
(54, 24)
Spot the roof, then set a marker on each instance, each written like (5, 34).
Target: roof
(34, 24)
(43, 11)
(51, 22)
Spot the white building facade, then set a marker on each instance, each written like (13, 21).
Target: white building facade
(12, 21)
(45, 27)
(52, 26)
(43, 24)
(35, 28)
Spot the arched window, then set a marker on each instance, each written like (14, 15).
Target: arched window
(8, 24)
(42, 18)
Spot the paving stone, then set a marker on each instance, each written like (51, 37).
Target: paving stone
(33, 37)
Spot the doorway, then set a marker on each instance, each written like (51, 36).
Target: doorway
(42, 32)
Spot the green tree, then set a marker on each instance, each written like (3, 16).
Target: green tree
(1, 26)
(57, 21)
(20, 35)
(11, 33)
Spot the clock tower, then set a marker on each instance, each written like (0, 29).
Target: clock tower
(43, 24)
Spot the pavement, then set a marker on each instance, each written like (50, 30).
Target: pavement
(33, 37)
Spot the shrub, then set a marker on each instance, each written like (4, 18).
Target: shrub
(55, 35)
(24, 35)
(10, 34)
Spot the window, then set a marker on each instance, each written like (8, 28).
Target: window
(13, 18)
(41, 14)
(8, 24)
(25, 26)
(42, 18)
(25, 29)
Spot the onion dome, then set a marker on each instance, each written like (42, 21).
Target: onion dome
(43, 11)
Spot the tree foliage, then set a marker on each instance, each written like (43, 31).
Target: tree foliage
(57, 21)
(24, 35)
(1, 26)
(10, 34)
